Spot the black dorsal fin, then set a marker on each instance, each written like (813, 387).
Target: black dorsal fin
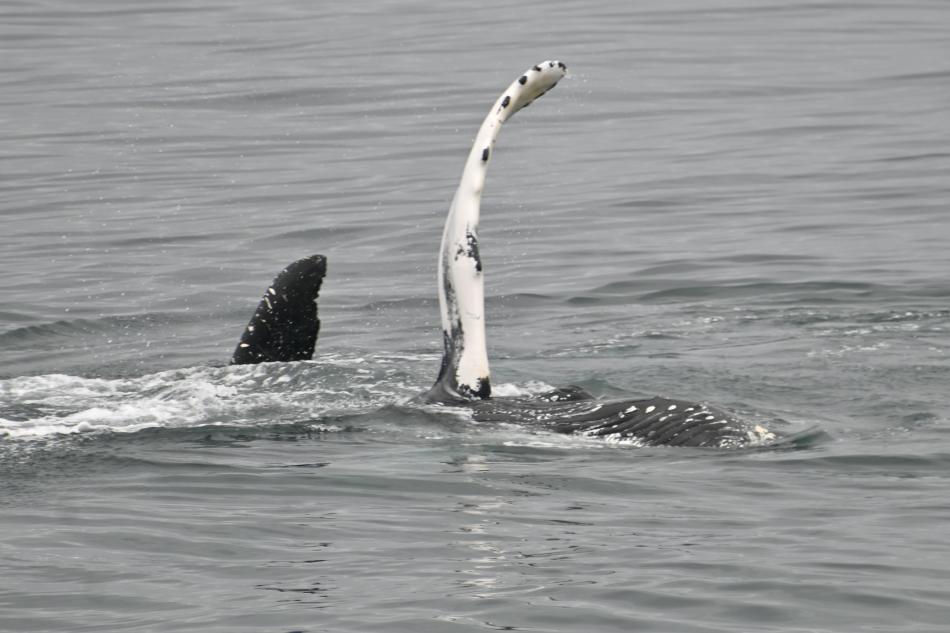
(285, 325)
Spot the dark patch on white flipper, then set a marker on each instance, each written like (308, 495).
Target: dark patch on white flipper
(285, 325)
(464, 374)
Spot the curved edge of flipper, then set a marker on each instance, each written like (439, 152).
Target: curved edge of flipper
(285, 324)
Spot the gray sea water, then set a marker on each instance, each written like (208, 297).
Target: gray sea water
(743, 202)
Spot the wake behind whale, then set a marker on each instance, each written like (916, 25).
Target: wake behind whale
(285, 326)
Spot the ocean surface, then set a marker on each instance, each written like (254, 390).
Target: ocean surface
(741, 202)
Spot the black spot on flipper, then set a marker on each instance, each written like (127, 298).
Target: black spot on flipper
(505, 101)
(472, 252)
(485, 154)
(523, 79)
(481, 391)
(536, 68)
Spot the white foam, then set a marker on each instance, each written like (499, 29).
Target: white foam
(530, 388)
(54, 404)
(72, 404)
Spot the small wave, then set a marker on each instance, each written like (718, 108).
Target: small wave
(824, 292)
(71, 327)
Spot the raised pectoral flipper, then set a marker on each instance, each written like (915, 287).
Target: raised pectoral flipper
(464, 375)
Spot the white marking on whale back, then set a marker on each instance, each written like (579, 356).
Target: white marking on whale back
(460, 278)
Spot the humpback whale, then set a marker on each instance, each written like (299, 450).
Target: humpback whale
(285, 326)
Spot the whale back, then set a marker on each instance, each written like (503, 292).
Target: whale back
(644, 422)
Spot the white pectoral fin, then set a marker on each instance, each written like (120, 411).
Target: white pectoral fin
(531, 85)
(465, 372)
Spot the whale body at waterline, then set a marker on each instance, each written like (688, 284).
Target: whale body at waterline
(285, 327)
